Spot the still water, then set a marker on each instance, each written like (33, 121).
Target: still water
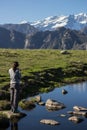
(77, 95)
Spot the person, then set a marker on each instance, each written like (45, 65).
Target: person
(15, 77)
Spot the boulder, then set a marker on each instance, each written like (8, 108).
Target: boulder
(54, 105)
(64, 91)
(27, 104)
(11, 115)
(62, 115)
(80, 113)
(79, 108)
(64, 52)
(41, 103)
(38, 98)
(75, 119)
(49, 122)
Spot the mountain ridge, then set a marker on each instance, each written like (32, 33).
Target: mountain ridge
(77, 22)
(25, 28)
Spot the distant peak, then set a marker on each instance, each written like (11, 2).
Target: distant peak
(50, 17)
(24, 22)
(81, 14)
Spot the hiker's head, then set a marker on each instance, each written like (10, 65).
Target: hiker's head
(15, 64)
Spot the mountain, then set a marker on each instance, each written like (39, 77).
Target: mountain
(11, 39)
(23, 27)
(64, 32)
(76, 22)
(84, 30)
(61, 38)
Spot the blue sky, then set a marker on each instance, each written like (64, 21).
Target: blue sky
(14, 11)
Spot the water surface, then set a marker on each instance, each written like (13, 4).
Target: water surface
(77, 95)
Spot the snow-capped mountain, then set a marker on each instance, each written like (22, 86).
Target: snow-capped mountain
(76, 22)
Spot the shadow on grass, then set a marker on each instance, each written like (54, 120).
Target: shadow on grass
(47, 80)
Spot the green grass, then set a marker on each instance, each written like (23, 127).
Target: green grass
(43, 68)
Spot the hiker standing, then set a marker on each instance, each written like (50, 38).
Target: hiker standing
(15, 77)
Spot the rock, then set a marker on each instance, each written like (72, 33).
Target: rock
(80, 113)
(64, 91)
(38, 98)
(41, 103)
(79, 108)
(64, 52)
(49, 122)
(11, 115)
(54, 105)
(62, 115)
(75, 119)
(26, 104)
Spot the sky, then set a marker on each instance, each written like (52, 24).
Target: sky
(15, 11)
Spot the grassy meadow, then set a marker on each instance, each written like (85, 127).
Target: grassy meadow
(43, 68)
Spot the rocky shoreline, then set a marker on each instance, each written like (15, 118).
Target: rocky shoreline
(76, 116)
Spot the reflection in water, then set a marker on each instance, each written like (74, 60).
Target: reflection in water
(14, 126)
(82, 87)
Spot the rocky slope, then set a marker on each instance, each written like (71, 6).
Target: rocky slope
(11, 39)
(25, 28)
(62, 38)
